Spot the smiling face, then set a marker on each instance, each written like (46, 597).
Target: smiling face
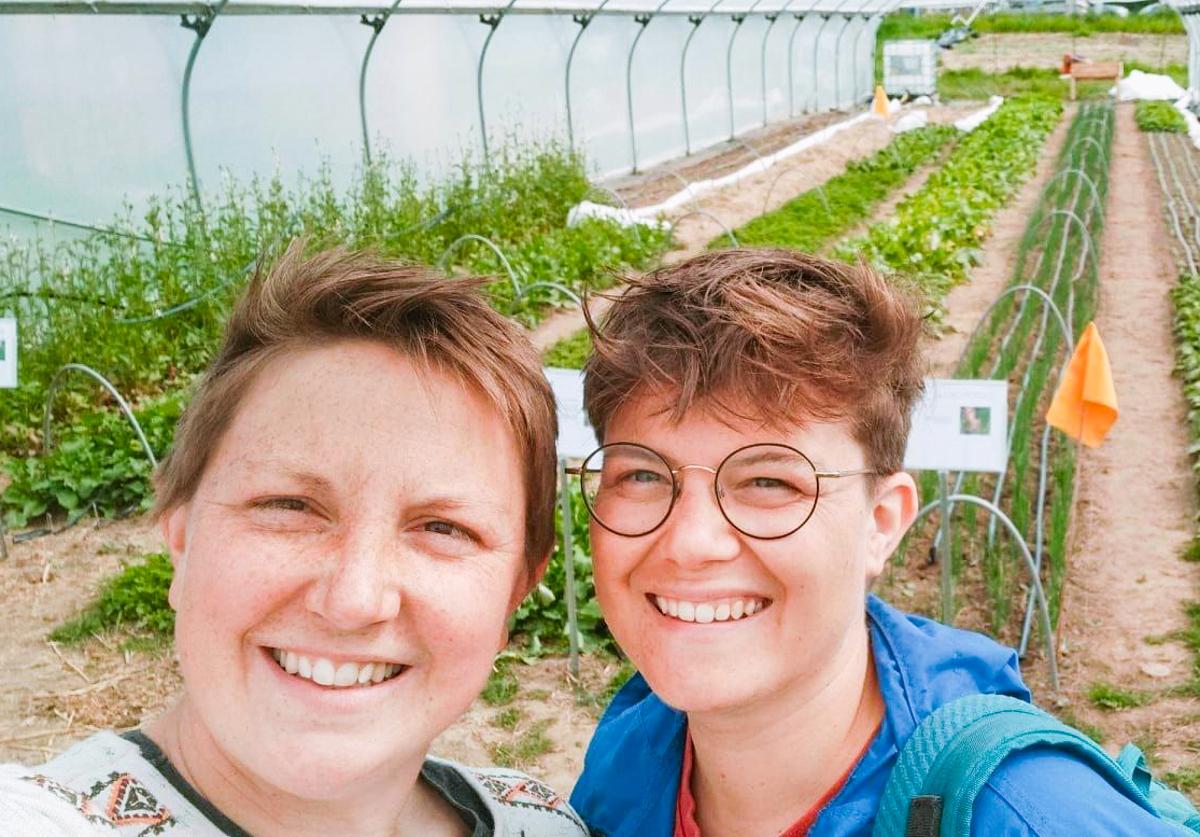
(345, 568)
(745, 619)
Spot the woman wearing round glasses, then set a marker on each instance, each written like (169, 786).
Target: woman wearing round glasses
(754, 409)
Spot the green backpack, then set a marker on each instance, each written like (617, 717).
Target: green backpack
(945, 764)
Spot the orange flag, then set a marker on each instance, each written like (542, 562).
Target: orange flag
(1085, 406)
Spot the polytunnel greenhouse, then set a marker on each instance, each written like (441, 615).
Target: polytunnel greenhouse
(168, 91)
(913, 286)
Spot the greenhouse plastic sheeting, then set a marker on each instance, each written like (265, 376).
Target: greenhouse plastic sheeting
(91, 106)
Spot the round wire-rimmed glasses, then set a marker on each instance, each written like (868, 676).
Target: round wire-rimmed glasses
(766, 490)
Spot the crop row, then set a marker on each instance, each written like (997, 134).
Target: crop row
(820, 216)
(935, 234)
(1159, 117)
(145, 305)
(1021, 341)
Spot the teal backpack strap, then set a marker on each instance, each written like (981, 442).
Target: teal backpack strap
(1170, 804)
(954, 752)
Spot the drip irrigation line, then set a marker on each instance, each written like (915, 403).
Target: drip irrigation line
(703, 214)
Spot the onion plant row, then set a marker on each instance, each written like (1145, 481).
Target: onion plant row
(1021, 341)
(935, 234)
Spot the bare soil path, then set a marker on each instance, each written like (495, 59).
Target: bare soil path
(997, 53)
(1126, 585)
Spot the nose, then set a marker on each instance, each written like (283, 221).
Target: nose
(696, 532)
(358, 586)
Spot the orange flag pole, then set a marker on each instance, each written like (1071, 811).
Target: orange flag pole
(1085, 405)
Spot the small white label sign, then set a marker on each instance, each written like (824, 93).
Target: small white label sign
(576, 438)
(960, 425)
(8, 352)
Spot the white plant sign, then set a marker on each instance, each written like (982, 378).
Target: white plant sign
(960, 425)
(576, 438)
(8, 352)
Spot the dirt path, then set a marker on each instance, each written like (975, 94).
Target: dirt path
(1126, 585)
(997, 53)
(966, 303)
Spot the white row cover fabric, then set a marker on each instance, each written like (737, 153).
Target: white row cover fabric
(1149, 86)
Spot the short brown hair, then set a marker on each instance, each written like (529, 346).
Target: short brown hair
(793, 335)
(428, 318)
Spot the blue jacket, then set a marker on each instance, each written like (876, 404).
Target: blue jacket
(631, 774)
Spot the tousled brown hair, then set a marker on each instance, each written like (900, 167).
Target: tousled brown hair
(435, 321)
(783, 334)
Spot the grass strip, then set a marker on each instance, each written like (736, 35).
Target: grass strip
(926, 25)
(978, 83)
(819, 216)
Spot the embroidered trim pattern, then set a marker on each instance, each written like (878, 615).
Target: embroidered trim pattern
(119, 801)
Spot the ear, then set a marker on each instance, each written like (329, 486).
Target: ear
(174, 529)
(894, 507)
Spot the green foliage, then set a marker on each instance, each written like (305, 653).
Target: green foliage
(1159, 116)
(936, 233)
(821, 215)
(97, 464)
(907, 25)
(1186, 779)
(977, 83)
(134, 600)
(1186, 297)
(526, 748)
(540, 623)
(508, 718)
(93, 299)
(1110, 698)
(570, 352)
(502, 685)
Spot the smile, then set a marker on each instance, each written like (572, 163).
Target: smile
(344, 675)
(719, 610)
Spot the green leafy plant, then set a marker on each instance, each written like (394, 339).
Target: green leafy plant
(100, 298)
(134, 600)
(1159, 116)
(817, 217)
(935, 235)
(97, 466)
(570, 352)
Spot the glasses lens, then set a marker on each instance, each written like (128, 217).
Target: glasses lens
(627, 488)
(767, 491)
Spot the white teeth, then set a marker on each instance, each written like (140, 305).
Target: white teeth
(345, 675)
(724, 610)
(322, 672)
(325, 672)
